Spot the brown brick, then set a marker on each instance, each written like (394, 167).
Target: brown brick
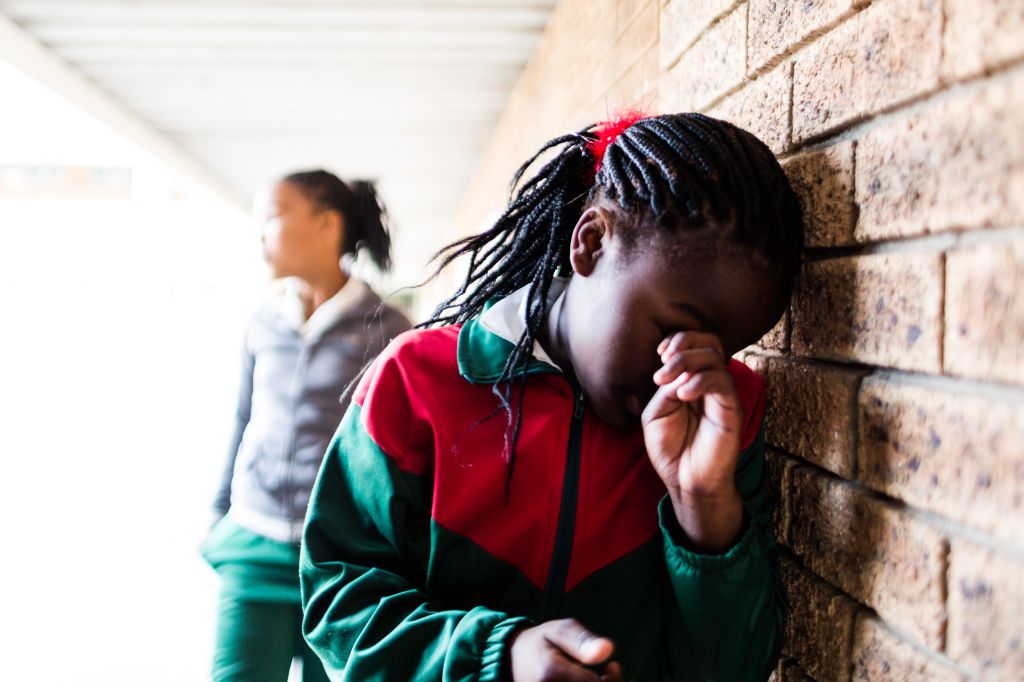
(777, 337)
(882, 309)
(762, 107)
(882, 655)
(873, 551)
(883, 56)
(823, 181)
(683, 21)
(637, 38)
(951, 452)
(819, 624)
(780, 478)
(712, 66)
(636, 89)
(627, 10)
(985, 312)
(811, 411)
(777, 27)
(758, 363)
(957, 164)
(789, 670)
(981, 35)
(986, 600)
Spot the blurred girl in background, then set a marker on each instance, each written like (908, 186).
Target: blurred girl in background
(316, 330)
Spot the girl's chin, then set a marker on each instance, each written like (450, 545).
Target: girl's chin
(634, 404)
(617, 415)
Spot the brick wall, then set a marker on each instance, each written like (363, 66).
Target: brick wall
(896, 379)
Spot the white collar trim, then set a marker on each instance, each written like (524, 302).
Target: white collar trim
(507, 317)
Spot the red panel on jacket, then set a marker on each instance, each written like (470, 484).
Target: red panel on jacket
(431, 421)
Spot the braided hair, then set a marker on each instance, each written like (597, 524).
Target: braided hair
(675, 173)
(366, 220)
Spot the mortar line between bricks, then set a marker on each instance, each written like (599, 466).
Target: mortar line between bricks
(952, 384)
(943, 21)
(855, 130)
(942, 311)
(947, 240)
(746, 42)
(789, 109)
(938, 656)
(946, 527)
(807, 41)
(944, 587)
(696, 39)
(866, 610)
(984, 389)
(858, 126)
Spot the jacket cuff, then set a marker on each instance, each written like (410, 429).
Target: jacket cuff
(683, 560)
(494, 661)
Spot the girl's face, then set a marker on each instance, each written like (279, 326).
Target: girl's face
(624, 298)
(298, 237)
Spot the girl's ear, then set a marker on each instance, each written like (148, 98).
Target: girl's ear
(332, 222)
(588, 240)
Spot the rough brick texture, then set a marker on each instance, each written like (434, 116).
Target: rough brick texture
(895, 471)
(762, 107)
(777, 337)
(881, 309)
(980, 35)
(789, 670)
(952, 452)
(711, 67)
(986, 600)
(959, 164)
(881, 655)
(819, 625)
(811, 412)
(683, 21)
(874, 551)
(884, 55)
(823, 181)
(985, 312)
(776, 27)
(780, 482)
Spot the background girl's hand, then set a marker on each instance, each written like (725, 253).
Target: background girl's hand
(692, 428)
(562, 651)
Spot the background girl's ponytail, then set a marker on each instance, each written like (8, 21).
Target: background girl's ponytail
(368, 225)
(366, 220)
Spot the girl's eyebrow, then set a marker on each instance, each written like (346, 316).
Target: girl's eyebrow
(705, 321)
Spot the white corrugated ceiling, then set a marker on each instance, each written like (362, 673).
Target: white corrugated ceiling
(405, 92)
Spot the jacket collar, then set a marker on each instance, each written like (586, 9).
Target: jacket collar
(487, 341)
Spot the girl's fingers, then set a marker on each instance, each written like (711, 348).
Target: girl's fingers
(721, 405)
(687, 361)
(578, 643)
(612, 673)
(662, 404)
(681, 341)
(561, 667)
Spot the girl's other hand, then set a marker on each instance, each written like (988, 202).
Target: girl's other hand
(562, 651)
(692, 428)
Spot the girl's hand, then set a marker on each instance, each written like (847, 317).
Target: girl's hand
(562, 651)
(692, 429)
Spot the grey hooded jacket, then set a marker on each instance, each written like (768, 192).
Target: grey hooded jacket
(289, 406)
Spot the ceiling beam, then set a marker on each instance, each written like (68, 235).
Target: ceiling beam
(27, 54)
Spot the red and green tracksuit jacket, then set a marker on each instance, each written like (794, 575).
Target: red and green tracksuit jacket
(415, 565)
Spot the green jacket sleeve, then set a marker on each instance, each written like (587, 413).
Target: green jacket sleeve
(731, 606)
(362, 570)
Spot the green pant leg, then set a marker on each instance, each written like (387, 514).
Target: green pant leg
(255, 640)
(312, 668)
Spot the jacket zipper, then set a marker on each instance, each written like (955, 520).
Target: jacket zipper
(552, 601)
(299, 381)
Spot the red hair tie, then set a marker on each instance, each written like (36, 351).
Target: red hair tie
(609, 131)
